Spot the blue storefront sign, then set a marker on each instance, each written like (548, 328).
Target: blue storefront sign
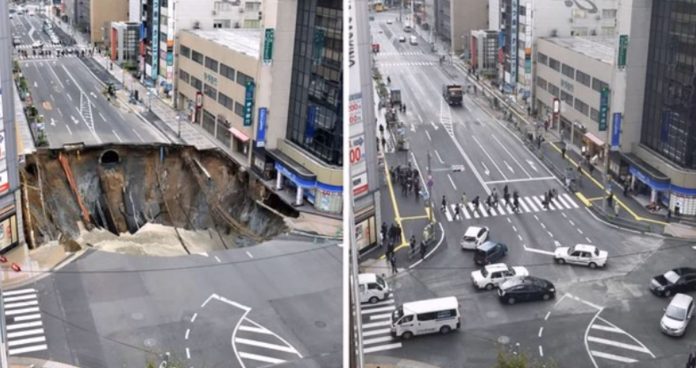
(261, 132)
(616, 131)
(155, 38)
(311, 117)
(300, 182)
(654, 184)
(249, 104)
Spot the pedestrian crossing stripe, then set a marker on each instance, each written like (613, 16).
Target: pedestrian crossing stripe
(376, 332)
(25, 330)
(425, 63)
(527, 204)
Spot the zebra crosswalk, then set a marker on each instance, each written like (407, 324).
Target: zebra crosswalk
(25, 333)
(607, 342)
(528, 204)
(409, 53)
(376, 326)
(402, 64)
(257, 346)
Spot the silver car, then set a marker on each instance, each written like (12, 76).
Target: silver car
(677, 315)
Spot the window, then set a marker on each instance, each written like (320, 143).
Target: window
(197, 57)
(555, 64)
(608, 13)
(227, 72)
(541, 83)
(242, 78)
(185, 51)
(567, 98)
(594, 115)
(196, 83)
(446, 314)
(183, 75)
(597, 85)
(210, 92)
(568, 71)
(239, 109)
(224, 100)
(211, 64)
(427, 316)
(583, 78)
(581, 106)
(542, 58)
(553, 89)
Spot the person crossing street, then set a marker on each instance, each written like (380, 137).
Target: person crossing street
(444, 204)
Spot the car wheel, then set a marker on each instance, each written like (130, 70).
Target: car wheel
(374, 300)
(668, 292)
(489, 287)
(560, 260)
(511, 301)
(407, 335)
(445, 329)
(546, 297)
(593, 265)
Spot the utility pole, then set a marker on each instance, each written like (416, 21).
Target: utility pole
(11, 154)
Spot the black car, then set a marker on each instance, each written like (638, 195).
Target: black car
(678, 280)
(489, 252)
(525, 289)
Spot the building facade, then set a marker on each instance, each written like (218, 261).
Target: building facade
(522, 22)
(667, 149)
(455, 19)
(484, 52)
(124, 42)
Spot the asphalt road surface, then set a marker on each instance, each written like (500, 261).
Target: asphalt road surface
(489, 156)
(278, 302)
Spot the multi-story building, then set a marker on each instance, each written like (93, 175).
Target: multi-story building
(455, 19)
(124, 43)
(217, 84)
(522, 22)
(666, 153)
(94, 17)
(484, 52)
(163, 19)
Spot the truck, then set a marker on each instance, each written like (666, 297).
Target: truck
(395, 97)
(453, 94)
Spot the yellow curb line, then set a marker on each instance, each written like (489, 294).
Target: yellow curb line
(595, 199)
(414, 218)
(600, 186)
(583, 199)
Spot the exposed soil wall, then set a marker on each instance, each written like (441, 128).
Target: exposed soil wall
(123, 188)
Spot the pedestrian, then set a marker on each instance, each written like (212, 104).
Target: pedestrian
(416, 188)
(610, 199)
(383, 231)
(515, 204)
(677, 209)
(616, 209)
(464, 199)
(397, 234)
(563, 152)
(392, 262)
(545, 201)
(506, 196)
(475, 202)
(669, 213)
(423, 249)
(404, 108)
(444, 204)
(412, 244)
(384, 144)
(456, 211)
(546, 126)
(489, 201)
(392, 232)
(505, 190)
(591, 167)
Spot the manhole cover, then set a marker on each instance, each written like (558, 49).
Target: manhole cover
(137, 316)
(150, 342)
(504, 340)
(320, 324)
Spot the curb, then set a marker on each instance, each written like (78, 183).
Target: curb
(43, 274)
(17, 362)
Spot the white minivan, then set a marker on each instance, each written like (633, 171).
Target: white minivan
(372, 288)
(413, 40)
(426, 316)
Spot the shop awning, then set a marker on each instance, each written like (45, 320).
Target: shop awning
(294, 166)
(238, 133)
(593, 138)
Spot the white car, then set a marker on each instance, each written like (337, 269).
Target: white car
(402, 38)
(495, 274)
(677, 315)
(581, 254)
(389, 21)
(474, 236)
(37, 45)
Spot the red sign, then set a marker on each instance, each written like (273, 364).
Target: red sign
(355, 154)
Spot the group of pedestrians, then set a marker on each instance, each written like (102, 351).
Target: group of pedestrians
(492, 201)
(408, 178)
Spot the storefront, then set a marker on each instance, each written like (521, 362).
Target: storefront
(241, 141)
(646, 182)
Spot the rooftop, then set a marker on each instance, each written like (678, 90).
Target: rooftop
(598, 48)
(245, 41)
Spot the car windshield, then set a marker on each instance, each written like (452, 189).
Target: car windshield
(484, 272)
(469, 238)
(676, 313)
(671, 276)
(381, 282)
(596, 252)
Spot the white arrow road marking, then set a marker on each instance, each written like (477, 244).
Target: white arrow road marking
(509, 167)
(438, 157)
(92, 94)
(75, 121)
(485, 169)
(531, 163)
(534, 250)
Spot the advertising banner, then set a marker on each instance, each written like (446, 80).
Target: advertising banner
(154, 43)
(616, 131)
(249, 104)
(603, 109)
(268, 46)
(8, 232)
(261, 131)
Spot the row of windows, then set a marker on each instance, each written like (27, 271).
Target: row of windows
(570, 72)
(220, 68)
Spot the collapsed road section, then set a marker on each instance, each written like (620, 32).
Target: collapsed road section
(121, 197)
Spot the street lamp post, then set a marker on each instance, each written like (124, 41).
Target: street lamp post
(178, 124)
(149, 100)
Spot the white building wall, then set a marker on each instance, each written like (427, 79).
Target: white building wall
(134, 10)
(494, 15)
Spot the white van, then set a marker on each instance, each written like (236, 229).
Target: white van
(426, 316)
(413, 40)
(372, 288)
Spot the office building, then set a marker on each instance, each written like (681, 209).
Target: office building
(455, 19)
(484, 52)
(124, 42)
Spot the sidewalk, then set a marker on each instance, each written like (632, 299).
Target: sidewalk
(22, 362)
(35, 264)
(632, 215)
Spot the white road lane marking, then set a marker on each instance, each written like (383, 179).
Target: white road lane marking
(377, 310)
(188, 330)
(534, 250)
(580, 231)
(511, 155)
(21, 304)
(69, 130)
(438, 157)
(532, 205)
(546, 317)
(18, 298)
(428, 135)
(541, 331)
(376, 332)
(380, 316)
(188, 353)
(36, 331)
(569, 199)
(452, 182)
(28, 349)
(20, 311)
(541, 351)
(249, 254)
(606, 328)
(27, 317)
(617, 358)
(523, 204)
(617, 344)
(69, 97)
(101, 116)
(218, 259)
(382, 348)
(138, 135)
(447, 214)
(485, 152)
(265, 345)
(514, 228)
(31, 340)
(260, 330)
(193, 318)
(376, 324)
(485, 169)
(117, 136)
(260, 358)
(376, 340)
(588, 239)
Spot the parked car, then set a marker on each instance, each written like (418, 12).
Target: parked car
(489, 252)
(37, 45)
(677, 315)
(474, 236)
(402, 38)
(581, 254)
(524, 289)
(373, 288)
(674, 281)
(413, 40)
(493, 275)
(389, 21)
